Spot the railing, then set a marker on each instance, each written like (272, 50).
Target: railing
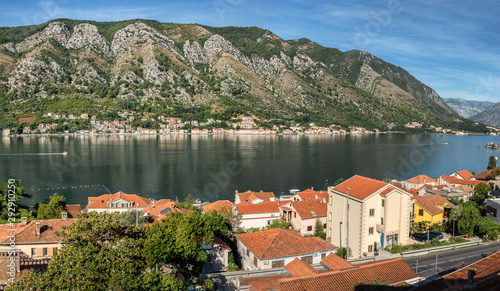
(440, 248)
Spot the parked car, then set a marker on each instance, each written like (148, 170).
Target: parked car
(424, 236)
(438, 234)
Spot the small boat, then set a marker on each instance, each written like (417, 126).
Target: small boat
(65, 153)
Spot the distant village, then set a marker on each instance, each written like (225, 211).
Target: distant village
(361, 214)
(175, 125)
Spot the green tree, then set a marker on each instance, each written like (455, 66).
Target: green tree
(492, 163)
(188, 203)
(339, 181)
(12, 193)
(481, 192)
(278, 223)
(318, 230)
(128, 218)
(53, 208)
(341, 252)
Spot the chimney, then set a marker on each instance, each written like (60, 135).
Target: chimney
(315, 196)
(324, 200)
(37, 228)
(24, 220)
(64, 215)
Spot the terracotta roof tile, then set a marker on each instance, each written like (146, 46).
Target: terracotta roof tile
(421, 179)
(279, 242)
(221, 205)
(300, 268)
(335, 263)
(453, 180)
(103, 200)
(431, 203)
(251, 196)
(310, 194)
(361, 187)
(483, 175)
(264, 207)
(155, 208)
(73, 208)
(310, 208)
(383, 272)
(48, 229)
(465, 174)
(263, 283)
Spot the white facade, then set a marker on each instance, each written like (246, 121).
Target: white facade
(493, 209)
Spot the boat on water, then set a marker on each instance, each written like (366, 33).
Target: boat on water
(492, 146)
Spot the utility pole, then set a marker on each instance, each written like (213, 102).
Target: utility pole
(347, 225)
(137, 215)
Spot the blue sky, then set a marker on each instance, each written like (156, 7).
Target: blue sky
(452, 46)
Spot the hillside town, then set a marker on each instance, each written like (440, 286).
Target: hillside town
(298, 241)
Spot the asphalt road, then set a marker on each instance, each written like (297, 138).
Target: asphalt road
(448, 261)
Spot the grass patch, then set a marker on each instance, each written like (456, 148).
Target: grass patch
(396, 249)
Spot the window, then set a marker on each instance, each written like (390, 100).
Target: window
(45, 252)
(278, 264)
(370, 248)
(329, 232)
(382, 220)
(309, 228)
(308, 259)
(255, 261)
(323, 255)
(33, 252)
(421, 212)
(295, 215)
(370, 230)
(248, 253)
(330, 216)
(324, 225)
(491, 211)
(372, 212)
(383, 202)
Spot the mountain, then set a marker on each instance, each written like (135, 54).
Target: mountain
(490, 116)
(197, 72)
(467, 108)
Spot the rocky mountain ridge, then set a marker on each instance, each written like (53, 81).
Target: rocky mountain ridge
(229, 71)
(467, 108)
(489, 116)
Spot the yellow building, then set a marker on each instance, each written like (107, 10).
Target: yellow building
(434, 208)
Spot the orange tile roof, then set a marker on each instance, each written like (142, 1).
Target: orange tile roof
(221, 243)
(336, 263)
(453, 180)
(6, 230)
(486, 278)
(263, 283)
(465, 174)
(73, 208)
(420, 179)
(279, 242)
(251, 196)
(463, 188)
(154, 209)
(483, 175)
(310, 208)
(103, 200)
(48, 228)
(264, 207)
(391, 272)
(220, 206)
(431, 203)
(361, 187)
(310, 194)
(300, 268)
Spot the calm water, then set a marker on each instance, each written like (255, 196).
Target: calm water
(213, 167)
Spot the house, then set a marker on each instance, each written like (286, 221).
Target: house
(309, 194)
(36, 238)
(484, 176)
(118, 202)
(257, 215)
(254, 197)
(481, 275)
(418, 182)
(339, 276)
(73, 209)
(221, 206)
(434, 208)
(158, 210)
(493, 209)
(6, 131)
(463, 174)
(377, 214)
(302, 215)
(452, 182)
(277, 247)
(217, 256)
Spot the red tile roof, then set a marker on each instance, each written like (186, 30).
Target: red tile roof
(420, 179)
(310, 208)
(251, 196)
(220, 206)
(263, 283)
(279, 243)
(154, 209)
(48, 229)
(73, 208)
(264, 207)
(464, 174)
(300, 268)
(310, 194)
(336, 263)
(431, 203)
(361, 187)
(392, 273)
(103, 200)
(453, 180)
(483, 175)
(486, 278)
(221, 243)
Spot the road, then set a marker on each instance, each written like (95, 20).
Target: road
(448, 261)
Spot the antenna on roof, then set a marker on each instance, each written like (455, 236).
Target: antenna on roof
(107, 189)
